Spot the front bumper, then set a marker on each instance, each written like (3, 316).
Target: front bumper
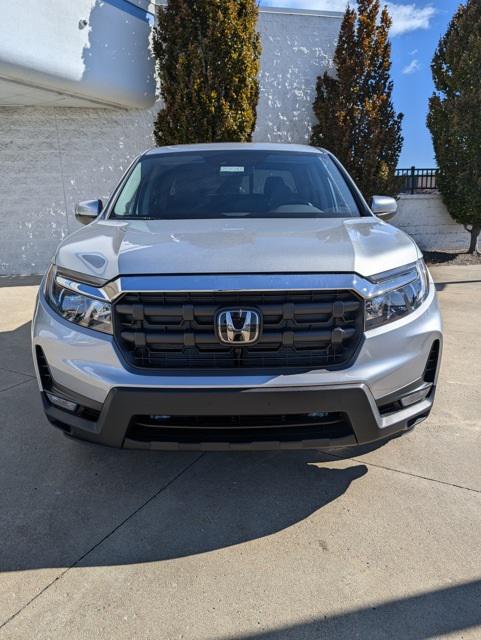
(361, 421)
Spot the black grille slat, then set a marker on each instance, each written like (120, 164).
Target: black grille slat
(268, 337)
(301, 329)
(239, 429)
(43, 369)
(266, 310)
(239, 421)
(432, 363)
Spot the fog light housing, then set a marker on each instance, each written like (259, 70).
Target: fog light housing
(416, 396)
(68, 405)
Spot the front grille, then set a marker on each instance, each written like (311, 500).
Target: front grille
(240, 428)
(300, 329)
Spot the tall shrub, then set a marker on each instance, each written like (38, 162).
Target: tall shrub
(207, 55)
(454, 117)
(355, 115)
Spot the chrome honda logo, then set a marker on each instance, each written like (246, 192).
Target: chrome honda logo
(238, 326)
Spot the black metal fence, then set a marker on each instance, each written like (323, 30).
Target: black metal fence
(416, 180)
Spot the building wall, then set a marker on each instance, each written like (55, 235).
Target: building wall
(76, 53)
(296, 48)
(52, 157)
(427, 220)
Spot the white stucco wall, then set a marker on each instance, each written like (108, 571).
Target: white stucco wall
(53, 157)
(50, 159)
(296, 48)
(427, 220)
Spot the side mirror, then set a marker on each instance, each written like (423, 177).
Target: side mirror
(88, 210)
(384, 207)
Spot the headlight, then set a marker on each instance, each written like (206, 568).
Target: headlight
(78, 302)
(399, 300)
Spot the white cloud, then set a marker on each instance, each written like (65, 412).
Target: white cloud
(406, 17)
(409, 17)
(412, 67)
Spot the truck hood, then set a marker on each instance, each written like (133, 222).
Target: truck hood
(108, 248)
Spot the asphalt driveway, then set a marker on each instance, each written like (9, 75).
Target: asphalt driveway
(99, 543)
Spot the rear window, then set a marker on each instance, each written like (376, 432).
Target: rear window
(235, 184)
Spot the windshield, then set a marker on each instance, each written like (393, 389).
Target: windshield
(219, 184)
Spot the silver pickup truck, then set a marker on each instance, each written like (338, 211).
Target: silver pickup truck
(237, 296)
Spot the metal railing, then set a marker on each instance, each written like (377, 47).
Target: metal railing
(414, 180)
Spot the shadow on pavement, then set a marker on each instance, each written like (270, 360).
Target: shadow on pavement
(67, 503)
(60, 497)
(441, 286)
(19, 281)
(15, 350)
(433, 614)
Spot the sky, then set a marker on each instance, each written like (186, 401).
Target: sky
(417, 27)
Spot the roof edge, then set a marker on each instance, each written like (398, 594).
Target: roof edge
(303, 12)
(285, 10)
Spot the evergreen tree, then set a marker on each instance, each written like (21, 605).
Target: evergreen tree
(356, 119)
(455, 117)
(207, 55)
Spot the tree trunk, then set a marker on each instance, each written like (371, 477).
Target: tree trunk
(474, 231)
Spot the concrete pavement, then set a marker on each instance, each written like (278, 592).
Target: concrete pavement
(99, 543)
